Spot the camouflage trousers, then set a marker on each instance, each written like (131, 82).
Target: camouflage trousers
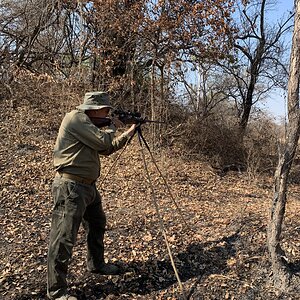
(74, 203)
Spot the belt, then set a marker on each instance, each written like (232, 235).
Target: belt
(76, 178)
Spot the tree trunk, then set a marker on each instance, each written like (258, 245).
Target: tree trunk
(255, 66)
(254, 74)
(281, 274)
(153, 103)
(247, 106)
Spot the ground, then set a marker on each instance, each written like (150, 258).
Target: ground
(215, 226)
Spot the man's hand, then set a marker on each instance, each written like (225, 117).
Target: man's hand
(131, 130)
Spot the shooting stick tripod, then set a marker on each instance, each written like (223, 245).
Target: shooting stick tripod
(142, 142)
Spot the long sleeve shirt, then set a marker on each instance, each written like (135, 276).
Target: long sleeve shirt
(79, 143)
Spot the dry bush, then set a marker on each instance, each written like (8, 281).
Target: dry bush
(218, 139)
(42, 90)
(38, 98)
(215, 139)
(294, 177)
(262, 143)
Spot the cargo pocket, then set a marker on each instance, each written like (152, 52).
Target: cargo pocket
(58, 197)
(75, 203)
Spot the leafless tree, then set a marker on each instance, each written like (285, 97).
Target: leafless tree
(259, 66)
(281, 273)
(42, 36)
(205, 93)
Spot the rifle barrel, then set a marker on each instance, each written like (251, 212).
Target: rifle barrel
(153, 121)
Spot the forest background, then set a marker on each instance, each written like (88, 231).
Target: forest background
(147, 54)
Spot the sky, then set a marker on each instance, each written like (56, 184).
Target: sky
(276, 103)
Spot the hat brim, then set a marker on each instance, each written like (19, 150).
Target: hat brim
(93, 107)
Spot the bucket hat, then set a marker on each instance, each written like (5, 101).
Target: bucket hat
(95, 100)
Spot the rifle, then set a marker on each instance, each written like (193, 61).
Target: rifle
(126, 117)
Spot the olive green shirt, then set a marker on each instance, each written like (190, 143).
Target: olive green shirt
(79, 143)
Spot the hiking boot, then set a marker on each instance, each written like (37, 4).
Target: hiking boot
(106, 269)
(66, 297)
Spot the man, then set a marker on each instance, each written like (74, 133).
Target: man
(76, 199)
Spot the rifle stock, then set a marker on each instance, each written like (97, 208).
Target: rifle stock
(101, 122)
